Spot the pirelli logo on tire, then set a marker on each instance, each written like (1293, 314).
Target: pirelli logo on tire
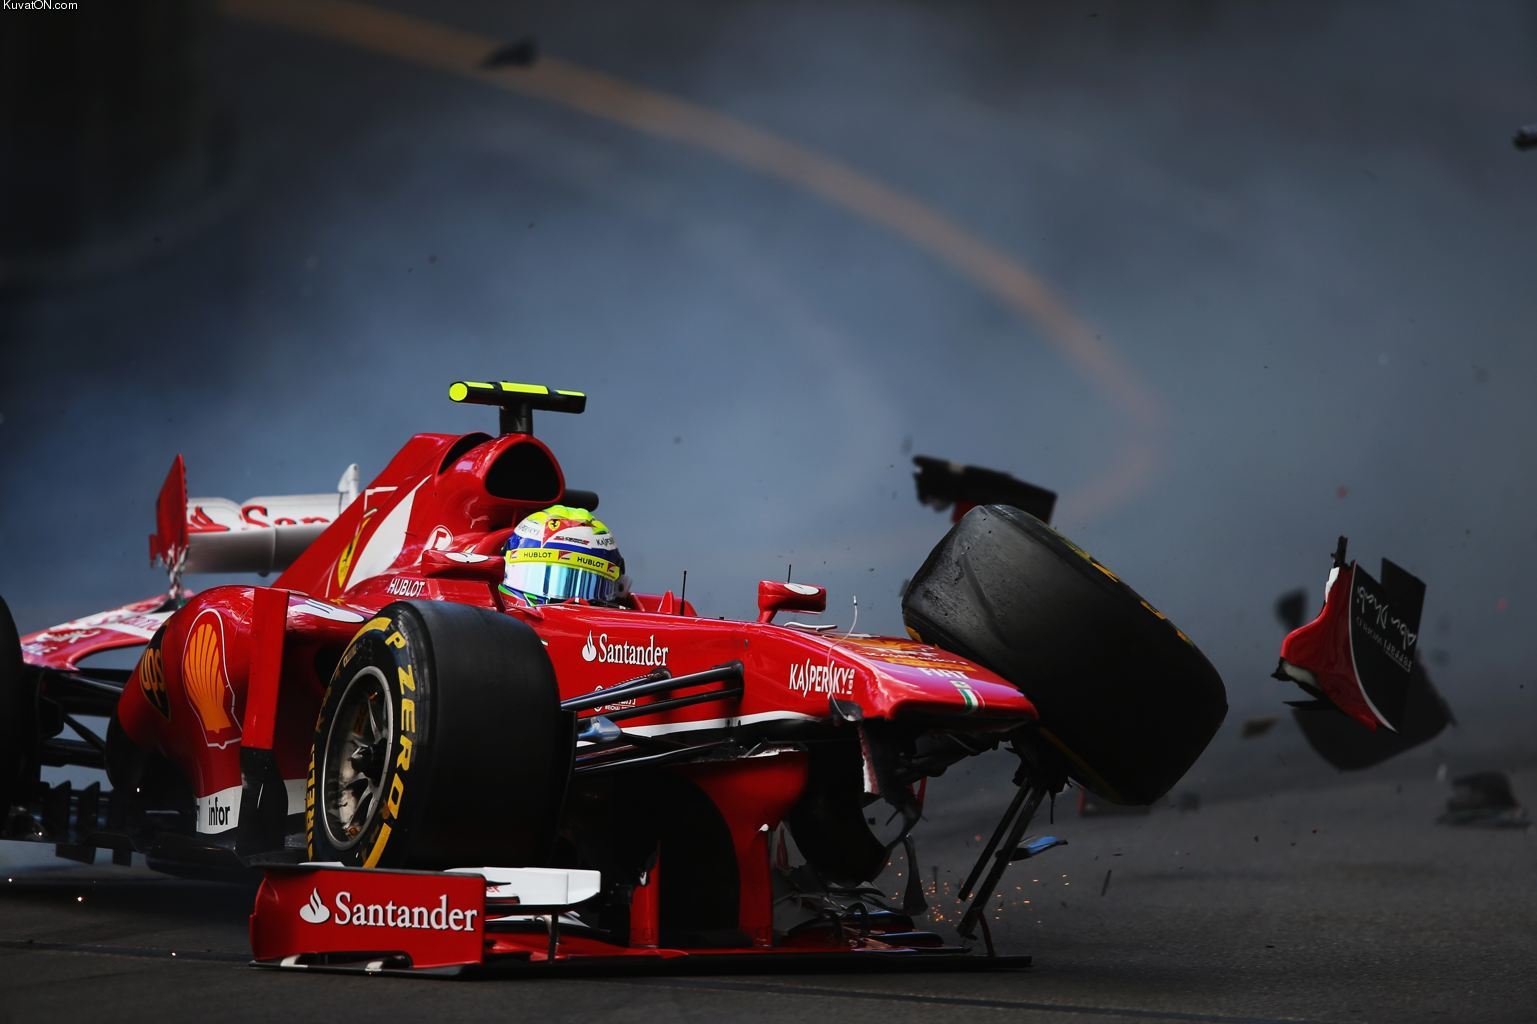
(1113, 578)
(367, 739)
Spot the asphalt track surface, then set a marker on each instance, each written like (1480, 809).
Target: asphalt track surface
(1348, 904)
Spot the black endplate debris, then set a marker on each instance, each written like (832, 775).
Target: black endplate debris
(960, 488)
(1384, 635)
(1344, 744)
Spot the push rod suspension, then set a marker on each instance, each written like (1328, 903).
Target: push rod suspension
(645, 686)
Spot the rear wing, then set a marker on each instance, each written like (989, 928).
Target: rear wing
(262, 535)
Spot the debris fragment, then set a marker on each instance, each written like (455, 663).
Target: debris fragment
(1345, 745)
(1485, 800)
(1106, 887)
(1291, 608)
(960, 488)
(1381, 684)
(1258, 725)
(1034, 846)
(520, 53)
(1377, 623)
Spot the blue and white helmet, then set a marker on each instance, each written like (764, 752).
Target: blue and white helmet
(563, 553)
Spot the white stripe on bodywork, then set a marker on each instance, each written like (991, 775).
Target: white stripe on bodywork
(117, 621)
(384, 546)
(715, 723)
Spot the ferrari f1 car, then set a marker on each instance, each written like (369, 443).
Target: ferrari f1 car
(433, 775)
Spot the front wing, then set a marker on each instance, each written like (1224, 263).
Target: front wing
(473, 921)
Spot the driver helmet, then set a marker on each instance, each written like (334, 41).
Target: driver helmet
(563, 553)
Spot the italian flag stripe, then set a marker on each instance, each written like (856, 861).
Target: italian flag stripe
(968, 695)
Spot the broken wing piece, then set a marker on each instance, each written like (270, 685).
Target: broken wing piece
(1360, 650)
(1347, 747)
(944, 484)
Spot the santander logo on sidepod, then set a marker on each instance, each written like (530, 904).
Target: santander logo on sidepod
(618, 652)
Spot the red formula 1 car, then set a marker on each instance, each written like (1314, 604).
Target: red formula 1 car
(436, 775)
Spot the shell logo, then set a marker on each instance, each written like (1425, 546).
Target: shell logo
(205, 681)
(151, 674)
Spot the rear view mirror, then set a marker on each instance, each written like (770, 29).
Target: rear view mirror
(776, 596)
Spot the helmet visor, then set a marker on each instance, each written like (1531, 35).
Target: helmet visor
(560, 581)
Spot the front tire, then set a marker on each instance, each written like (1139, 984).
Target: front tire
(440, 743)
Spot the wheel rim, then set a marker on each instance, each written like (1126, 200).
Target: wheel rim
(354, 765)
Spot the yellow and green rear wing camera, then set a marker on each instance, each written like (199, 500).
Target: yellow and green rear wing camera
(516, 401)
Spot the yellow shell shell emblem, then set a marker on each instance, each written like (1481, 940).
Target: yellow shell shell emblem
(205, 681)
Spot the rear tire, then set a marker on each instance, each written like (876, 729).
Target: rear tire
(1122, 693)
(440, 743)
(19, 769)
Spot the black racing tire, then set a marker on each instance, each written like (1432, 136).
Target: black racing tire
(440, 743)
(1123, 694)
(19, 766)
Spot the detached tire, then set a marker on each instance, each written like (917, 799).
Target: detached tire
(440, 743)
(1122, 693)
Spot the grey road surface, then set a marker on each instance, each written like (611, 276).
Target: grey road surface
(1348, 904)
